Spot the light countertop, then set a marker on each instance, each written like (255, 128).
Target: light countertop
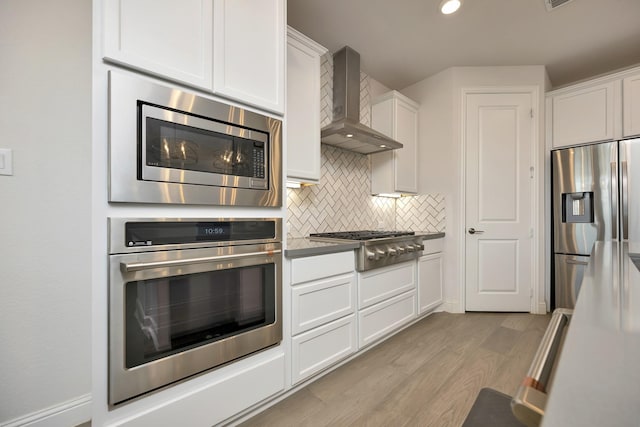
(597, 379)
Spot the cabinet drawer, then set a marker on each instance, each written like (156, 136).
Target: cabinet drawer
(380, 284)
(322, 347)
(377, 321)
(320, 302)
(432, 246)
(321, 266)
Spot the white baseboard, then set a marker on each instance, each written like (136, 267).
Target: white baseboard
(67, 414)
(452, 306)
(542, 308)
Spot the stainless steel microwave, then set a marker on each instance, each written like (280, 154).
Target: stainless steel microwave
(167, 145)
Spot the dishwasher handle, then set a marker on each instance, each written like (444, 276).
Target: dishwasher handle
(530, 400)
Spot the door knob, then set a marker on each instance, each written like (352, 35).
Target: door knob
(474, 231)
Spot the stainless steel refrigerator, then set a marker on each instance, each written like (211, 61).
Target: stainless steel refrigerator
(595, 197)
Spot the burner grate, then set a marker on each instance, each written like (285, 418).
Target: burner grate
(362, 234)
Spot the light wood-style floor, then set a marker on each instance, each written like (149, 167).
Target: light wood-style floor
(427, 375)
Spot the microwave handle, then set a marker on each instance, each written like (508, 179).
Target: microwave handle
(128, 267)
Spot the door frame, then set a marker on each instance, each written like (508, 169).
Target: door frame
(537, 288)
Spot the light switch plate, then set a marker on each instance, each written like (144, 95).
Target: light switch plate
(6, 161)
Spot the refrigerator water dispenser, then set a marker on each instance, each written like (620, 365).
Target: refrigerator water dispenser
(577, 207)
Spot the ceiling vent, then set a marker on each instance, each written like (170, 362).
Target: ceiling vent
(552, 4)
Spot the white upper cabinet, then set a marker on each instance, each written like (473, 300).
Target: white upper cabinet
(249, 40)
(303, 107)
(163, 37)
(234, 49)
(586, 113)
(395, 172)
(631, 105)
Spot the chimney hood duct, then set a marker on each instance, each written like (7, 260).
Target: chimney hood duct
(346, 131)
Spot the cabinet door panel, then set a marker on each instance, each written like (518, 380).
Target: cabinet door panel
(429, 282)
(381, 319)
(406, 159)
(303, 107)
(157, 37)
(380, 284)
(631, 107)
(323, 301)
(585, 115)
(249, 51)
(322, 347)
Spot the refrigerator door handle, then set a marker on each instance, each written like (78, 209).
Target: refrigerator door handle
(625, 201)
(614, 200)
(576, 262)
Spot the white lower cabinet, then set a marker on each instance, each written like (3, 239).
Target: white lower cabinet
(321, 347)
(430, 283)
(379, 320)
(386, 299)
(323, 306)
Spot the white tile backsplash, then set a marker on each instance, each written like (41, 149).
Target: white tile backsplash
(342, 200)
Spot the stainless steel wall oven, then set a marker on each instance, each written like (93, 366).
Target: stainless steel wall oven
(187, 295)
(171, 146)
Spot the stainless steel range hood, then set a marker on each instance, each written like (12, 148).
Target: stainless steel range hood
(346, 131)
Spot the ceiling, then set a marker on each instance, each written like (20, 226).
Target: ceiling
(404, 41)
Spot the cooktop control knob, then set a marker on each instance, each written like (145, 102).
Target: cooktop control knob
(393, 252)
(411, 248)
(371, 256)
(420, 247)
(380, 254)
(401, 250)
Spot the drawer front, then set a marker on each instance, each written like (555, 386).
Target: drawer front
(381, 319)
(383, 283)
(321, 266)
(316, 303)
(320, 348)
(432, 246)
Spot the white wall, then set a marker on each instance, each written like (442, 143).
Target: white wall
(440, 98)
(45, 212)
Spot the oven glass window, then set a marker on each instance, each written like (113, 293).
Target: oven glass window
(173, 145)
(172, 314)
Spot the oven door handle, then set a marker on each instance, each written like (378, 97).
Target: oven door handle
(128, 267)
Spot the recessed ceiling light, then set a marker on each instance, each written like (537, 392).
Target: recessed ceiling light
(449, 6)
(349, 135)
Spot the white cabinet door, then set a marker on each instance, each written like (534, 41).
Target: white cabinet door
(395, 171)
(383, 283)
(631, 105)
(303, 107)
(157, 37)
(316, 303)
(321, 347)
(381, 319)
(429, 282)
(249, 51)
(586, 114)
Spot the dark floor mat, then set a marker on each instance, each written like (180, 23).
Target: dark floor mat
(491, 409)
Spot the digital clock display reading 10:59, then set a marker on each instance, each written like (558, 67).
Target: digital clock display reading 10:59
(214, 231)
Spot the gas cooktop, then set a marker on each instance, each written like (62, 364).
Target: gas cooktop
(362, 234)
(377, 248)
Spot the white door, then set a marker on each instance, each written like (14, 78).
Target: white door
(498, 254)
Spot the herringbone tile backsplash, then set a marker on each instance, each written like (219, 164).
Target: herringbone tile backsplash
(342, 200)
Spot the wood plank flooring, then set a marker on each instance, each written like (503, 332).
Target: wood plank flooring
(427, 375)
